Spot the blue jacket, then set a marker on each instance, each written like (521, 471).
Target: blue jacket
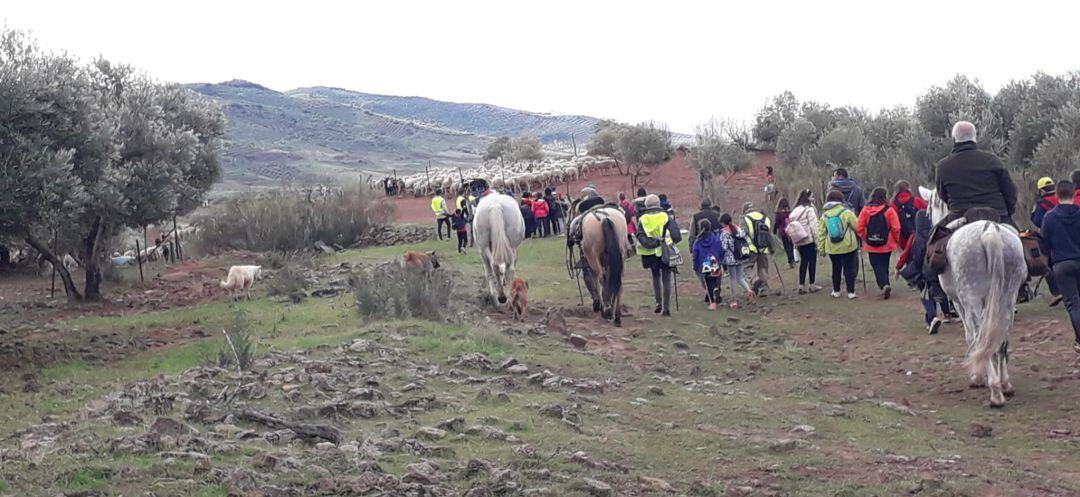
(853, 195)
(705, 247)
(1061, 233)
(914, 271)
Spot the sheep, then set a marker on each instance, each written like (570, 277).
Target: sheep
(241, 278)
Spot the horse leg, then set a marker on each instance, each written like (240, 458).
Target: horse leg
(616, 308)
(489, 275)
(971, 321)
(1006, 385)
(605, 298)
(591, 285)
(993, 380)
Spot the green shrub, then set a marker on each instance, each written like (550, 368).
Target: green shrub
(388, 291)
(287, 220)
(238, 345)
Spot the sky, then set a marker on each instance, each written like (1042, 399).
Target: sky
(678, 62)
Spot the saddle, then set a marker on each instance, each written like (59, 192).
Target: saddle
(573, 231)
(1037, 262)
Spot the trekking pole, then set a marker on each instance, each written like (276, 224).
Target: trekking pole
(574, 273)
(778, 275)
(675, 277)
(862, 269)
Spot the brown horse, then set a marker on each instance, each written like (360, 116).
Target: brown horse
(603, 247)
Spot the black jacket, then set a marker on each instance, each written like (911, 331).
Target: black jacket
(554, 209)
(969, 177)
(708, 213)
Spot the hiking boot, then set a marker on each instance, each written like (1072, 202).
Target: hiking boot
(712, 306)
(658, 309)
(665, 313)
(934, 326)
(835, 295)
(852, 296)
(802, 291)
(886, 292)
(1056, 300)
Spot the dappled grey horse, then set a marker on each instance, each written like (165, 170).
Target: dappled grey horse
(499, 230)
(985, 270)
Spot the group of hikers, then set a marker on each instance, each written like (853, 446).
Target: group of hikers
(459, 219)
(971, 182)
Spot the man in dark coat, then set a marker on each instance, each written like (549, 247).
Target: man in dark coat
(706, 212)
(555, 213)
(853, 195)
(969, 177)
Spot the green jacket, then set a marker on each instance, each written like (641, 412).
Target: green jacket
(850, 243)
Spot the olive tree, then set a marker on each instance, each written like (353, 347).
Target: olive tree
(716, 153)
(640, 147)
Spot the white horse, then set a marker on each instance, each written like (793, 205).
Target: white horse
(499, 230)
(985, 270)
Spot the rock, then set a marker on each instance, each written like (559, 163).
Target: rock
(555, 321)
(783, 445)
(655, 484)
(578, 341)
(429, 433)
(168, 426)
(322, 247)
(715, 331)
(655, 390)
(454, 424)
(803, 429)
(362, 345)
(979, 430)
(424, 473)
(836, 412)
(126, 418)
(240, 482)
(475, 360)
(552, 411)
(596, 488)
(508, 363)
(518, 369)
(733, 319)
(679, 344)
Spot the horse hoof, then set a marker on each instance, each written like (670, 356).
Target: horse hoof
(997, 400)
(997, 405)
(1009, 391)
(617, 323)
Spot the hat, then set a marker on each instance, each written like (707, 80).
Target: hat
(706, 203)
(1045, 182)
(652, 201)
(747, 206)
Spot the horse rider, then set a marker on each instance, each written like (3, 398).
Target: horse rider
(970, 178)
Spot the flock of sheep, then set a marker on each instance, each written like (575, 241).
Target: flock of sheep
(516, 177)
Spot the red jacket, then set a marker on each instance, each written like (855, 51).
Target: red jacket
(540, 208)
(903, 197)
(890, 218)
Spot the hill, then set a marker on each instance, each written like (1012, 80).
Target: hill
(319, 133)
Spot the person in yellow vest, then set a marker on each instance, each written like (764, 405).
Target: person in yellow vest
(442, 215)
(655, 227)
(759, 256)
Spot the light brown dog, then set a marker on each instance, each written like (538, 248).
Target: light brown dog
(519, 299)
(419, 261)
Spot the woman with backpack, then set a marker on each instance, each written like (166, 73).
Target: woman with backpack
(906, 205)
(879, 229)
(736, 250)
(655, 229)
(802, 230)
(837, 233)
(780, 221)
(707, 256)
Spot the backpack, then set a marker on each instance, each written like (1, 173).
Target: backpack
(834, 226)
(741, 247)
(906, 212)
(877, 229)
(763, 239)
(796, 231)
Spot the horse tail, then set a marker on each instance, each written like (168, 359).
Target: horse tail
(994, 328)
(500, 243)
(613, 252)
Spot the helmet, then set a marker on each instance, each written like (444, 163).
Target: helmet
(1045, 182)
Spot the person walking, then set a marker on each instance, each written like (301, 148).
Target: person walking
(707, 256)
(540, 212)
(879, 228)
(1048, 199)
(629, 212)
(461, 226)
(781, 219)
(527, 214)
(853, 195)
(656, 227)
(836, 230)
(912, 269)
(442, 213)
(906, 205)
(802, 229)
(554, 211)
(1061, 234)
(736, 251)
(708, 213)
(759, 234)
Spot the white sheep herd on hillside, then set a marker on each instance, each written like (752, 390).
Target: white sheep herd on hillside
(516, 177)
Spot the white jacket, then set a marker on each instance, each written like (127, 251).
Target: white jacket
(806, 215)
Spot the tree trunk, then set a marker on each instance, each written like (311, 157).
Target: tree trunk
(90, 260)
(73, 294)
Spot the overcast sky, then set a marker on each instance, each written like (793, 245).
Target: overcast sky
(678, 62)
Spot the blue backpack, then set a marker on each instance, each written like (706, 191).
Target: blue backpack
(834, 226)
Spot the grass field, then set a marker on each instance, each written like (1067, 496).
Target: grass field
(801, 396)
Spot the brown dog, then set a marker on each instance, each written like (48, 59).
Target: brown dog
(519, 298)
(419, 261)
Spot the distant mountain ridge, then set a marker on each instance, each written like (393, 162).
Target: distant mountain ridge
(321, 133)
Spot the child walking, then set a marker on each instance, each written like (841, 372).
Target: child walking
(736, 252)
(461, 226)
(708, 253)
